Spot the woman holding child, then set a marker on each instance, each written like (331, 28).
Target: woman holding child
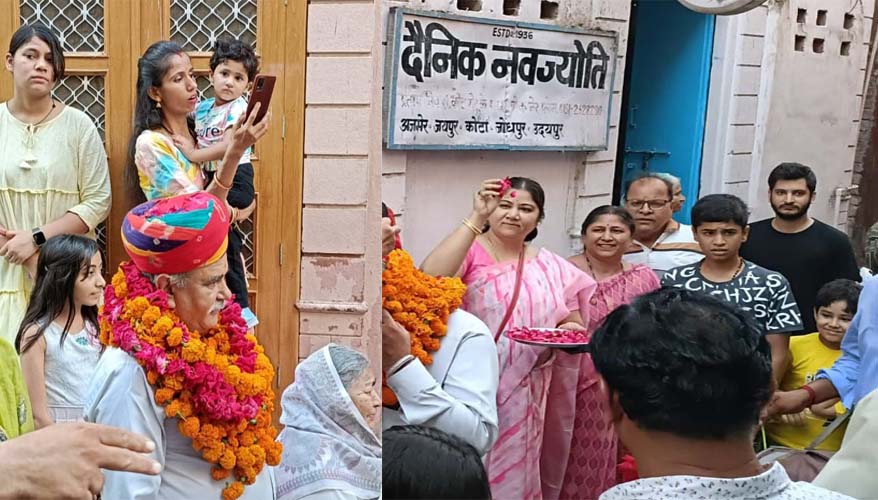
(53, 168)
(514, 284)
(170, 154)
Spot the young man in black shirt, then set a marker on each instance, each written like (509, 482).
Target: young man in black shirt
(806, 251)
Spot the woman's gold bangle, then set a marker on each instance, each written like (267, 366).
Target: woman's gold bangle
(220, 183)
(472, 227)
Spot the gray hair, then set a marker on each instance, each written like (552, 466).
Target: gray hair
(349, 364)
(649, 175)
(675, 181)
(178, 280)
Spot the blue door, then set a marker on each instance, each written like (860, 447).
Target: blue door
(667, 99)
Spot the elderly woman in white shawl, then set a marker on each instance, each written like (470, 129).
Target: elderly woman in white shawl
(330, 414)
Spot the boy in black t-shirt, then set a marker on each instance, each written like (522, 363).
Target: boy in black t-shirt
(719, 224)
(808, 252)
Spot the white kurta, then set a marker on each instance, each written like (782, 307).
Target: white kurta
(457, 393)
(120, 395)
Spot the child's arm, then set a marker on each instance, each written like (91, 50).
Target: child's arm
(33, 367)
(201, 155)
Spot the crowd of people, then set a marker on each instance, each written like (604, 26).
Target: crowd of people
(708, 342)
(704, 339)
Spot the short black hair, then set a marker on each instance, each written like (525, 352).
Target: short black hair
(26, 32)
(426, 463)
(720, 208)
(791, 171)
(685, 363)
(227, 49)
(649, 175)
(839, 290)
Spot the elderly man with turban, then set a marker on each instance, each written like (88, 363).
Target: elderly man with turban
(179, 367)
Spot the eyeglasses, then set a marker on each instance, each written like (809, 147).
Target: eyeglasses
(653, 204)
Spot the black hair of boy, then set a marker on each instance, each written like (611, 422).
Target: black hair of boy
(685, 363)
(843, 290)
(791, 171)
(720, 208)
(226, 49)
(426, 463)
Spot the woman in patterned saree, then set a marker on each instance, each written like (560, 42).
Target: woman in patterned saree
(606, 234)
(53, 168)
(492, 262)
(330, 413)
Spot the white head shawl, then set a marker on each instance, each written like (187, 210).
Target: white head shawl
(327, 442)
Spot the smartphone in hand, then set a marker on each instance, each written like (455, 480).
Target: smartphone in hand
(263, 86)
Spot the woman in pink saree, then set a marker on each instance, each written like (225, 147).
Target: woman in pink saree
(606, 234)
(489, 262)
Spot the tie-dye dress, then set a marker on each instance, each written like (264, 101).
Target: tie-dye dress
(550, 288)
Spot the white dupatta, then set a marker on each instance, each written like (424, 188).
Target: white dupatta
(327, 443)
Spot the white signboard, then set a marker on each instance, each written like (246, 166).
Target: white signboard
(456, 82)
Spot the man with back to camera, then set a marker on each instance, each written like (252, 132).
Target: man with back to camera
(687, 376)
(660, 242)
(806, 251)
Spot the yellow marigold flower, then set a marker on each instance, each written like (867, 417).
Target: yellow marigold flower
(218, 474)
(162, 326)
(189, 427)
(175, 337)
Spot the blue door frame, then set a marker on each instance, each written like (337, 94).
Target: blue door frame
(667, 89)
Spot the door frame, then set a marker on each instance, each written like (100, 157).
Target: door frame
(281, 45)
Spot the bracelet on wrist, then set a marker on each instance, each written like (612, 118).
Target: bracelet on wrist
(812, 394)
(220, 183)
(472, 227)
(400, 364)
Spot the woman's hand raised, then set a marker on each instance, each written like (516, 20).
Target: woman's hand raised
(486, 200)
(245, 133)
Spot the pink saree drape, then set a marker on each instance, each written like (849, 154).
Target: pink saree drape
(550, 289)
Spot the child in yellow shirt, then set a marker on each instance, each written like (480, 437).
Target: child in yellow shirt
(834, 308)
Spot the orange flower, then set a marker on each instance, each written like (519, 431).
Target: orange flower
(420, 303)
(233, 491)
(175, 338)
(218, 474)
(228, 460)
(189, 427)
(163, 395)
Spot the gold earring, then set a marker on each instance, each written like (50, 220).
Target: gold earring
(158, 104)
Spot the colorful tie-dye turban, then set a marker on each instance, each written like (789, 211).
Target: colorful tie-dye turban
(176, 235)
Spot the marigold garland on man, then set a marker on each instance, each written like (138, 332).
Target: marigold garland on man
(168, 310)
(420, 303)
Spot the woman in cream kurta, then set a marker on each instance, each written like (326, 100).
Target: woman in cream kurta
(53, 167)
(46, 171)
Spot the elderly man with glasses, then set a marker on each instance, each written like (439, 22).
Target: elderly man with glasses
(660, 242)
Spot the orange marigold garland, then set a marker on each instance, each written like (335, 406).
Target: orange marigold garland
(218, 384)
(420, 303)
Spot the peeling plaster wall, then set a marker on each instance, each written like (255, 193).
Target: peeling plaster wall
(340, 271)
(432, 190)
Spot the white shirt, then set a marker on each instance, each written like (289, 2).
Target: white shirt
(774, 484)
(120, 395)
(457, 393)
(68, 369)
(675, 247)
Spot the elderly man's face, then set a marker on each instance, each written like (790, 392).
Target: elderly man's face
(201, 298)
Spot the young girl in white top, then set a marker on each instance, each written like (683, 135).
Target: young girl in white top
(58, 340)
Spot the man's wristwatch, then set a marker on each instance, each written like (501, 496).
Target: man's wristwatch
(39, 237)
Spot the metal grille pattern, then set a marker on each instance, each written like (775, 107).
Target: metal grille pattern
(78, 23)
(248, 249)
(196, 24)
(84, 92)
(205, 89)
(101, 237)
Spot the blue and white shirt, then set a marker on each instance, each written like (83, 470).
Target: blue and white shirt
(212, 121)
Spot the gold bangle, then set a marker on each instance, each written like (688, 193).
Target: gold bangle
(472, 227)
(220, 183)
